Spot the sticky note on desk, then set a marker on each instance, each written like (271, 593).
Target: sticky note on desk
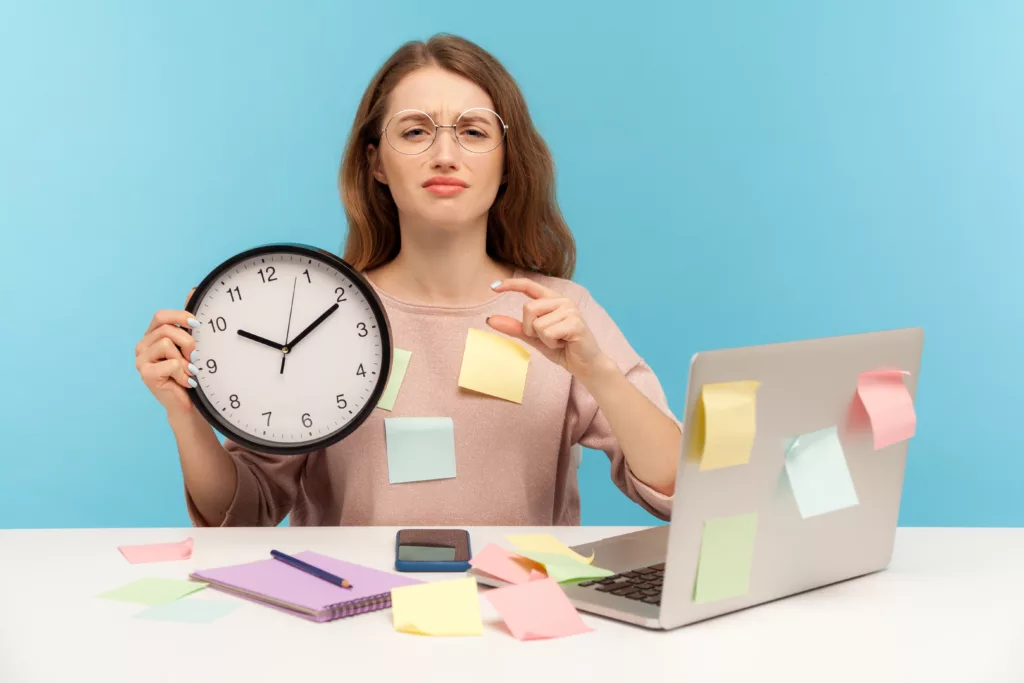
(727, 423)
(546, 543)
(889, 406)
(399, 365)
(158, 552)
(726, 556)
(190, 611)
(562, 568)
(501, 564)
(438, 608)
(818, 473)
(153, 591)
(420, 448)
(538, 609)
(494, 364)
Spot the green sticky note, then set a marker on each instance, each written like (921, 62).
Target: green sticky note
(563, 568)
(399, 364)
(817, 472)
(188, 611)
(425, 553)
(150, 591)
(420, 448)
(726, 555)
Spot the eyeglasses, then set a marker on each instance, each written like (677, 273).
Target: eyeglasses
(477, 130)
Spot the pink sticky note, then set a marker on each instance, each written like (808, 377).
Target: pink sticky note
(157, 552)
(889, 405)
(537, 575)
(537, 609)
(502, 564)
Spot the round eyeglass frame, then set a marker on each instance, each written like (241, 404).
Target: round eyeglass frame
(453, 126)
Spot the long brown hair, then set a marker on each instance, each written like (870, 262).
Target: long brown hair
(525, 227)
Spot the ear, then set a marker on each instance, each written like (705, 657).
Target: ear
(375, 166)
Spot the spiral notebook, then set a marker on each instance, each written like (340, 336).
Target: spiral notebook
(280, 585)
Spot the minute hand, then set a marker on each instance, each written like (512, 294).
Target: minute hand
(312, 326)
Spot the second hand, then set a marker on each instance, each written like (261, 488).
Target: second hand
(284, 351)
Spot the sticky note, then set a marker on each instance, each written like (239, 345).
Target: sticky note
(727, 423)
(420, 448)
(494, 364)
(501, 564)
(818, 474)
(399, 364)
(562, 568)
(726, 556)
(538, 609)
(889, 406)
(439, 608)
(545, 543)
(153, 591)
(158, 552)
(189, 611)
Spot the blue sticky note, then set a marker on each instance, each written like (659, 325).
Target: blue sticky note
(818, 475)
(420, 448)
(188, 611)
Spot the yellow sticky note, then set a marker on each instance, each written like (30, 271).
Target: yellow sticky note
(545, 543)
(726, 423)
(495, 365)
(437, 608)
(399, 364)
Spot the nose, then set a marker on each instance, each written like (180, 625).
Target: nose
(446, 149)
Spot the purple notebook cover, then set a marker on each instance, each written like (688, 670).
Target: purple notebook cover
(271, 581)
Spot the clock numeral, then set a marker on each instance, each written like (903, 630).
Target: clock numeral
(306, 421)
(306, 273)
(211, 365)
(218, 324)
(235, 403)
(268, 417)
(269, 277)
(362, 329)
(360, 371)
(340, 291)
(233, 292)
(342, 403)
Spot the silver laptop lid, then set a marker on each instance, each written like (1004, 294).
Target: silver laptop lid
(803, 387)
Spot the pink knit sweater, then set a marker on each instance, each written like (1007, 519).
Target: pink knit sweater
(515, 463)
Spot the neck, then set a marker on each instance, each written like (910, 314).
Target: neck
(442, 267)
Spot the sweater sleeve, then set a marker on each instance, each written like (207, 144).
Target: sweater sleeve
(265, 490)
(592, 429)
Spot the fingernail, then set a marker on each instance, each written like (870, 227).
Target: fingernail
(194, 323)
(193, 369)
(194, 356)
(192, 383)
(495, 284)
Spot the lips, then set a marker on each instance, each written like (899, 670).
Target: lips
(442, 181)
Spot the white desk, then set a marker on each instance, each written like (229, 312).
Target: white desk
(949, 608)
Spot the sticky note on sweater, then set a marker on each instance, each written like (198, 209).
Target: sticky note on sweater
(494, 364)
(420, 448)
(399, 364)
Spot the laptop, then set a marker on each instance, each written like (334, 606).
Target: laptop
(804, 386)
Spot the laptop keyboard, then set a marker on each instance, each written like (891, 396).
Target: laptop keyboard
(643, 584)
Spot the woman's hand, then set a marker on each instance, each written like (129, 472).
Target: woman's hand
(553, 325)
(161, 358)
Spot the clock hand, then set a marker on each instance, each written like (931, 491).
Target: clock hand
(312, 326)
(261, 340)
(284, 356)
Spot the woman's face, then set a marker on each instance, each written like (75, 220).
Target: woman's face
(443, 185)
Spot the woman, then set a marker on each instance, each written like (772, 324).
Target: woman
(456, 226)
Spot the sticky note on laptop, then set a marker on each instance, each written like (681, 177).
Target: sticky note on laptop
(726, 424)
(494, 364)
(888, 404)
(420, 448)
(399, 366)
(437, 608)
(818, 473)
(726, 557)
(538, 609)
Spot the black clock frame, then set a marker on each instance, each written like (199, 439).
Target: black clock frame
(209, 412)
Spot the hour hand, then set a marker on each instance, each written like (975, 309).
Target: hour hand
(261, 340)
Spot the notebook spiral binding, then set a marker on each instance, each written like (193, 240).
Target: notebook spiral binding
(360, 606)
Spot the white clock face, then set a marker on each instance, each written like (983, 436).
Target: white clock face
(290, 350)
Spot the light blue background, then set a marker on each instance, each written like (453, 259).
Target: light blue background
(735, 173)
